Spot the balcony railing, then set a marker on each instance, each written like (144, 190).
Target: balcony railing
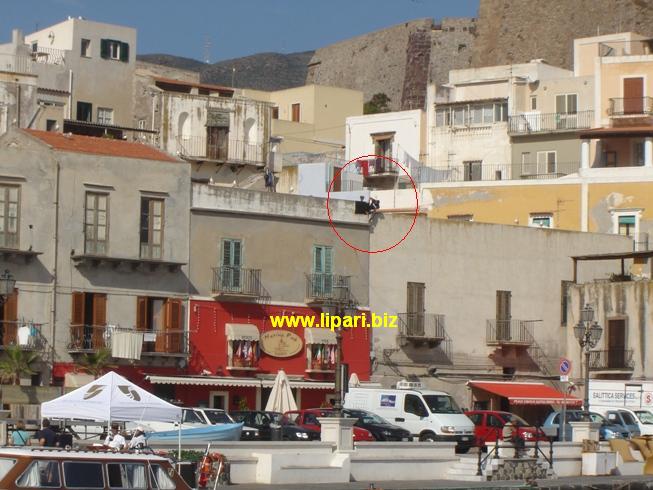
(328, 287)
(50, 56)
(533, 123)
(228, 151)
(612, 359)
(236, 281)
(510, 332)
(165, 342)
(27, 336)
(15, 63)
(249, 364)
(380, 167)
(631, 106)
(503, 171)
(90, 338)
(422, 326)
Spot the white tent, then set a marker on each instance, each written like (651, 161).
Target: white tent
(281, 399)
(111, 398)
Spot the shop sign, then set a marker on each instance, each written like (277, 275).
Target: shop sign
(281, 343)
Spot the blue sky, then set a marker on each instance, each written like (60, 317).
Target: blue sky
(236, 27)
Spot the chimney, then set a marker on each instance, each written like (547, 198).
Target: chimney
(17, 38)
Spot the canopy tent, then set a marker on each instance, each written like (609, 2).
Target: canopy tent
(111, 398)
(526, 393)
(281, 399)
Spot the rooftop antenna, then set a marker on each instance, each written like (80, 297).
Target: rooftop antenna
(207, 49)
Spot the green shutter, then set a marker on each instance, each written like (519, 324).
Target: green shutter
(236, 255)
(226, 253)
(317, 259)
(124, 52)
(328, 260)
(626, 220)
(104, 48)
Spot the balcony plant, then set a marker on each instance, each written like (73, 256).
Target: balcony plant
(96, 363)
(17, 364)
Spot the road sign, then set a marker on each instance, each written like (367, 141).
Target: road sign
(565, 366)
(564, 378)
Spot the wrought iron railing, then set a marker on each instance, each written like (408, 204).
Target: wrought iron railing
(500, 332)
(328, 287)
(482, 171)
(424, 326)
(26, 335)
(228, 150)
(237, 280)
(533, 123)
(165, 342)
(631, 106)
(90, 338)
(381, 166)
(49, 56)
(612, 359)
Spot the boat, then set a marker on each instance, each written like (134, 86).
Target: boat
(158, 433)
(41, 467)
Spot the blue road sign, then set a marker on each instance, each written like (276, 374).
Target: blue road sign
(565, 366)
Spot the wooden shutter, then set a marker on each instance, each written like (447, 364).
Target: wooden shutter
(124, 52)
(77, 316)
(503, 305)
(104, 48)
(10, 317)
(173, 326)
(141, 313)
(415, 297)
(99, 320)
(633, 95)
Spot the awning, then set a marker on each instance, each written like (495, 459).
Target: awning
(242, 331)
(304, 385)
(525, 393)
(623, 131)
(204, 381)
(320, 336)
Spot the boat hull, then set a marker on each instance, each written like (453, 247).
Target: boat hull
(200, 435)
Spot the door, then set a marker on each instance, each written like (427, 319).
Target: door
(503, 315)
(322, 271)
(231, 265)
(219, 399)
(415, 414)
(633, 95)
(472, 170)
(415, 309)
(616, 343)
(99, 320)
(217, 142)
(10, 319)
(173, 327)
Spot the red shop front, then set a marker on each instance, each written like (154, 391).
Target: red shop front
(235, 354)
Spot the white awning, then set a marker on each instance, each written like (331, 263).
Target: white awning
(320, 336)
(304, 385)
(242, 331)
(203, 381)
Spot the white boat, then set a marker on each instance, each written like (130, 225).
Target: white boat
(165, 433)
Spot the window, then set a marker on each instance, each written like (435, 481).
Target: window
(35, 47)
(500, 112)
(322, 270)
(476, 114)
(460, 217)
(114, 50)
(413, 404)
(190, 417)
(472, 170)
(151, 228)
(51, 125)
(9, 215)
(476, 418)
(162, 324)
(638, 153)
(459, 116)
(5, 466)
(96, 223)
(86, 48)
(627, 225)
(161, 479)
(84, 111)
(142, 123)
(295, 113)
(41, 473)
(494, 421)
(503, 315)
(88, 321)
(383, 147)
(609, 158)
(442, 117)
(488, 113)
(275, 113)
(126, 475)
(104, 115)
(231, 262)
(567, 104)
(564, 301)
(541, 220)
(533, 102)
(527, 167)
(546, 162)
(78, 474)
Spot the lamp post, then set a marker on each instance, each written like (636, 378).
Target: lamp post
(588, 333)
(7, 285)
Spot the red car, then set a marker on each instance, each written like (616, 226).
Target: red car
(308, 419)
(489, 424)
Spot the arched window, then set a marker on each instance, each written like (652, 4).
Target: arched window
(184, 126)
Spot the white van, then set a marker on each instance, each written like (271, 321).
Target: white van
(428, 415)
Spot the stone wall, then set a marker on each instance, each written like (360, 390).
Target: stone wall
(515, 30)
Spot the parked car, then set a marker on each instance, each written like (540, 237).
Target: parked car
(261, 420)
(607, 430)
(626, 418)
(489, 426)
(214, 416)
(381, 429)
(645, 417)
(308, 420)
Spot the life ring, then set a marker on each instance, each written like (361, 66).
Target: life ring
(208, 472)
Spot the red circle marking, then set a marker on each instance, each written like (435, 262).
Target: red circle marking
(331, 219)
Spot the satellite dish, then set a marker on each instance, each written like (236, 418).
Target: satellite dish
(51, 37)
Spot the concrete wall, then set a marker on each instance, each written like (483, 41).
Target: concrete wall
(462, 266)
(278, 232)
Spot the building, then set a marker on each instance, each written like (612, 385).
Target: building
(257, 254)
(96, 235)
(474, 302)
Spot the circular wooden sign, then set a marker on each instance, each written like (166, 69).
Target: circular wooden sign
(281, 343)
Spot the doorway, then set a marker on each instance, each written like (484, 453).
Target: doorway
(616, 343)
(219, 399)
(217, 142)
(634, 95)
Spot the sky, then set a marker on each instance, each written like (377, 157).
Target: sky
(234, 28)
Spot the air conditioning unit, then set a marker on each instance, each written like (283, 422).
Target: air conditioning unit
(409, 385)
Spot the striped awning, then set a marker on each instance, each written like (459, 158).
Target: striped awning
(229, 381)
(320, 336)
(242, 331)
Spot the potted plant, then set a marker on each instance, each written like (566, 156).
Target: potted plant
(16, 365)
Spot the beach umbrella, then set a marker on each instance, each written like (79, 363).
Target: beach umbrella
(281, 399)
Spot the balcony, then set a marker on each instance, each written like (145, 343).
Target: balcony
(236, 364)
(48, 56)
(612, 360)
(428, 327)
(324, 288)
(199, 148)
(15, 63)
(631, 107)
(510, 332)
(27, 336)
(536, 123)
(482, 172)
(90, 338)
(236, 282)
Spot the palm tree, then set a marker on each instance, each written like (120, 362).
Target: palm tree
(17, 363)
(96, 363)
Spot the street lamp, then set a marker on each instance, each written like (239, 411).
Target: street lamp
(588, 333)
(7, 285)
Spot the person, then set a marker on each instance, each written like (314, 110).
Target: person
(138, 440)
(115, 440)
(46, 436)
(374, 204)
(20, 437)
(511, 434)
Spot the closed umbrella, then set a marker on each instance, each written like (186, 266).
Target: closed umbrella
(281, 399)
(354, 381)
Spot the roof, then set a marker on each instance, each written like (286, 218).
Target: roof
(616, 132)
(525, 393)
(182, 83)
(99, 146)
(616, 255)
